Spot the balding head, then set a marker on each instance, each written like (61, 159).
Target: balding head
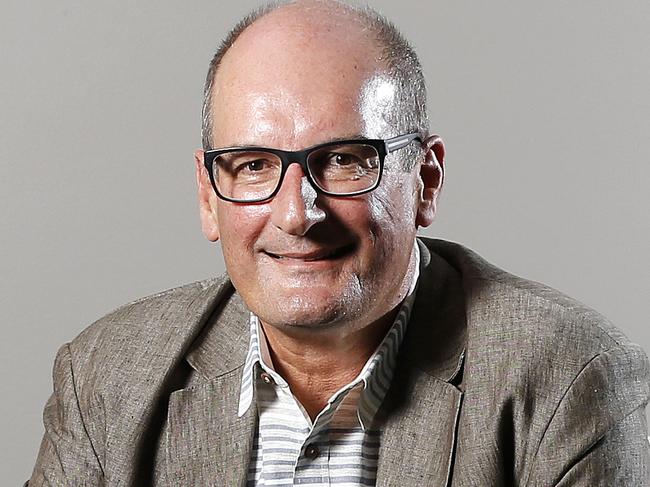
(316, 41)
(304, 75)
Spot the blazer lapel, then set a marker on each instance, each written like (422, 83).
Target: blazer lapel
(419, 417)
(207, 444)
(418, 438)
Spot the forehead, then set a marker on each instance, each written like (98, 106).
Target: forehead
(296, 81)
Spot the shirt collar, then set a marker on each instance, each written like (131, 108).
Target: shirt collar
(376, 375)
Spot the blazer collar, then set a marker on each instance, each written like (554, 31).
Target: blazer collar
(222, 344)
(206, 442)
(437, 333)
(419, 417)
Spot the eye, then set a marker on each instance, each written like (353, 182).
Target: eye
(248, 166)
(342, 159)
(253, 166)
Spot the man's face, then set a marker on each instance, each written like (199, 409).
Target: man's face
(302, 259)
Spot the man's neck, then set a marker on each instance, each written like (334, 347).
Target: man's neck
(318, 365)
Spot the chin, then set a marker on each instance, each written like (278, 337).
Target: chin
(311, 312)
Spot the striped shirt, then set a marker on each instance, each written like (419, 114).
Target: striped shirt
(340, 447)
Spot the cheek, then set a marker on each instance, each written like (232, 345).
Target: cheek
(392, 215)
(394, 208)
(240, 227)
(382, 219)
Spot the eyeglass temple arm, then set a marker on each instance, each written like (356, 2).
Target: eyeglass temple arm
(400, 141)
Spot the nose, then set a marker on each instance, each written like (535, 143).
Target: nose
(293, 208)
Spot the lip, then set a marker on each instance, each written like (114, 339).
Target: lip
(312, 256)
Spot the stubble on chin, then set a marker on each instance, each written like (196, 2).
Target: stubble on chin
(318, 312)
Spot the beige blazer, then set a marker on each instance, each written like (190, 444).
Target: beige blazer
(501, 382)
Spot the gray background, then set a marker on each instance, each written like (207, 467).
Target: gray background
(544, 106)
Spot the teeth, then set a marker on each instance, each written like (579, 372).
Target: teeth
(308, 259)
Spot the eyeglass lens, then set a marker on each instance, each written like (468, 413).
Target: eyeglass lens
(338, 169)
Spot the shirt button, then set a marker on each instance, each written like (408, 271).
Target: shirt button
(266, 378)
(312, 452)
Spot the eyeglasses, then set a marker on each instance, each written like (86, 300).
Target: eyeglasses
(339, 168)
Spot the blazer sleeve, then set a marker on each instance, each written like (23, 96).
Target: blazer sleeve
(66, 456)
(597, 435)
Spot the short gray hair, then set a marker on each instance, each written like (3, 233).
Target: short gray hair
(402, 63)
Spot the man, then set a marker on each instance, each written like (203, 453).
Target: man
(340, 349)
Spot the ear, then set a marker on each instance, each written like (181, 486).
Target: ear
(432, 175)
(207, 200)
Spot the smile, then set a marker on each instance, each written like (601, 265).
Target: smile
(313, 256)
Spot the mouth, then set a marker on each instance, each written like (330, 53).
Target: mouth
(312, 256)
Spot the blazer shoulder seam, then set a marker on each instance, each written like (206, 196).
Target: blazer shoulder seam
(66, 349)
(552, 416)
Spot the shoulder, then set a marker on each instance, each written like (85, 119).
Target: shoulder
(543, 372)
(142, 338)
(554, 369)
(531, 344)
(507, 311)
(131, 325)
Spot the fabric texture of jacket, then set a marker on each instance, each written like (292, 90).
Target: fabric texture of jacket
(501, 381)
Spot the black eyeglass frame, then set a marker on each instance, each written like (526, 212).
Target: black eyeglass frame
(382, 146)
